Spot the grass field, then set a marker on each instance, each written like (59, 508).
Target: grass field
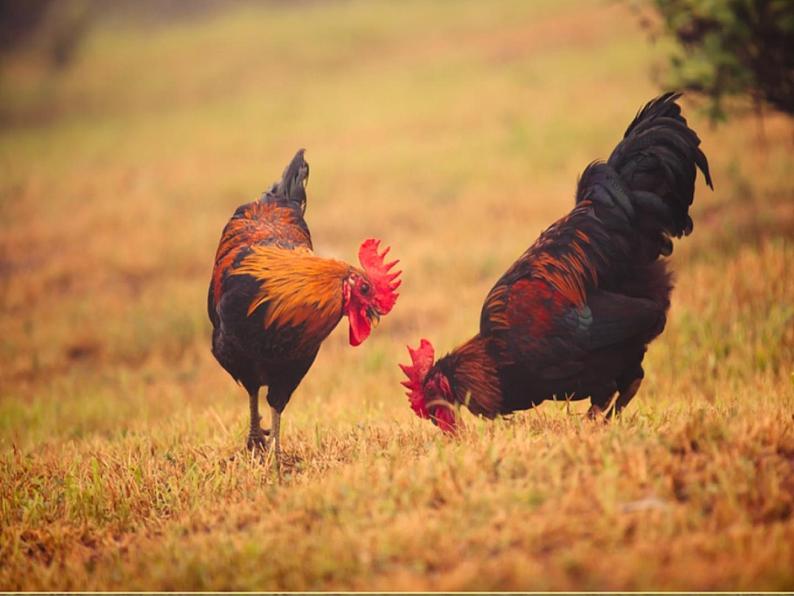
(455, 132)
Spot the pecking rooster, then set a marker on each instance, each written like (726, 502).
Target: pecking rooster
(272, 301)
(572, 318)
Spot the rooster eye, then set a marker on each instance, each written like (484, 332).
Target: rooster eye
(364, 288)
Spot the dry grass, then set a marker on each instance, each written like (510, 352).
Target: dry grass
(456, 136)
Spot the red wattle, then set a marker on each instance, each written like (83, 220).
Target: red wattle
(444, 418)
(359, 325)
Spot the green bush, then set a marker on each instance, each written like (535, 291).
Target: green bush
(732, 47)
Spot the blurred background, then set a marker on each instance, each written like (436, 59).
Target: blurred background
(454, 131)
(132, 130)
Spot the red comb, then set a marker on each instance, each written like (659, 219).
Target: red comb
(422, 359)
(379, 272)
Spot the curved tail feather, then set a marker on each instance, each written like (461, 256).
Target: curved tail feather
(648, 183)
(292, 186)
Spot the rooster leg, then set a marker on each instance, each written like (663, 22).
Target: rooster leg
(601, 402)
(276, 427)
(628, 385)
(257, 438)
(594, 412)
(625, 395)
(615, 405)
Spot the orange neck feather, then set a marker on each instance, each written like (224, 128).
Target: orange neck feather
(299, 287)
(475, 378)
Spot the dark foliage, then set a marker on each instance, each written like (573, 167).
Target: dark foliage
(733, 47)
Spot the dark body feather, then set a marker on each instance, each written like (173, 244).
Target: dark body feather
(572, 318)
(254, 353)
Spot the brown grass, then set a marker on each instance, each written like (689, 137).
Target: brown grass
(456, 136)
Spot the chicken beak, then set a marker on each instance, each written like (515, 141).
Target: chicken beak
(374, 317)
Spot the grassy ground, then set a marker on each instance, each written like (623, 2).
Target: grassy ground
(455, 134)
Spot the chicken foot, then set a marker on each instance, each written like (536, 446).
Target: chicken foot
(257, 436)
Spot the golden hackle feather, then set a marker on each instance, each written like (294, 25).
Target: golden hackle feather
(299, 288)
(255, 222)
(571, 271)
(476, 378)
(570, 274)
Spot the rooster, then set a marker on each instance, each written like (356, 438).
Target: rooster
(272, 301)
(573, 316)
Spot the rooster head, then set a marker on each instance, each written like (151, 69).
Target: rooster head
(370, 292)
(429, 390)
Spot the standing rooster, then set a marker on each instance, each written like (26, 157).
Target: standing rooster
(272, 301)
(572, 317)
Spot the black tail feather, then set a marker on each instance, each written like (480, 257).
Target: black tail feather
(660, 131)
(292, 186)
(649, 180)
